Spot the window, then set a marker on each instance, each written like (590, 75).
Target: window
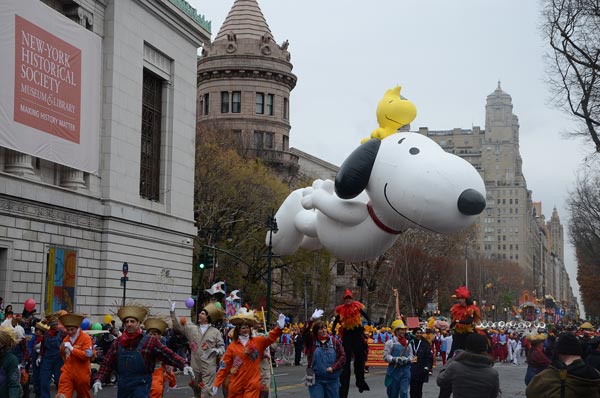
(258, 139)
(268, 140)
(286, 109)
(224, 101)
(285, 143)
(260, 103)
(270, 100)
(151, 132)
(341, 268)
(236, 102)
(204, 105)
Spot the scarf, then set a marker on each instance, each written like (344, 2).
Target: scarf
(324, 338)
(244, 339)
(127, 338)
(402, 340)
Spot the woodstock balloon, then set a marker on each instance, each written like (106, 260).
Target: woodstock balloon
(393, 112)
(404, 180)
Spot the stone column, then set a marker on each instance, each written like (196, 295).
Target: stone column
(18, 163)
(71, 178)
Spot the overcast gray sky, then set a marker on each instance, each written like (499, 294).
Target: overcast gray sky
(447, 56)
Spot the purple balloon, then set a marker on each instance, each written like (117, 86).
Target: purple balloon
(189, 302)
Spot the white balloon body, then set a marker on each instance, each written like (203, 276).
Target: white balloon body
(413, 183)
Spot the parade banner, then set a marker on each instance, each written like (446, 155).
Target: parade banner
(50, 95)
(60, 280)
(375, 355)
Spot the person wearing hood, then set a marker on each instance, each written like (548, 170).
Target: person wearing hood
(470, 374)
(569, 376)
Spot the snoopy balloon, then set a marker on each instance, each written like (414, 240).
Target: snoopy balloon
(405, 180)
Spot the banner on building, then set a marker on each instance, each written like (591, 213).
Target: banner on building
(50, 92)
(60, 280)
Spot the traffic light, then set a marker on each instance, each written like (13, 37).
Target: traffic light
(201, 265)
(205, 259)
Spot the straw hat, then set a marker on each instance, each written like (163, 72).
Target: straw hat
(398, 324)
(71, 320)
(8, 339)
(586, 326)
(42, 326)
(244, 317)
(214, 312)
(156, 324)
(132, 311)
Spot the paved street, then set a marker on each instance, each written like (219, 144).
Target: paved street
(289, 385)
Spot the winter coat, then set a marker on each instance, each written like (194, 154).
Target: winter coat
(593, 359)
(422, 352)
(470, 375)
(581, 381)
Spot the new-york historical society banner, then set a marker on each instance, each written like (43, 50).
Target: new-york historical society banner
(50, 82)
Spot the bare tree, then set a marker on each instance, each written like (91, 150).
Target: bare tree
(584, 208)
(572, 28)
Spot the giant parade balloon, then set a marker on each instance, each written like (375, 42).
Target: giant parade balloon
(385, 186)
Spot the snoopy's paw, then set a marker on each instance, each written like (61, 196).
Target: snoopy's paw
(307, 202)
(308, 191)
(328, 186)
(317, 183)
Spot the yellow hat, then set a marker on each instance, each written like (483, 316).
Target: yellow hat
(71, 320)
(132, 311)
(215, 313)
(586, 326)
(156, 324)
(244, 317)
(398, 324)
(42, 326)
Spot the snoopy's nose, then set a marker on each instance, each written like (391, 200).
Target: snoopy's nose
(471, 202)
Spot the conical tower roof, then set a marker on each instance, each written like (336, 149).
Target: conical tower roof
(245, 20)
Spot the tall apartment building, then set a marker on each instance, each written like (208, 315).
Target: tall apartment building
(104, 175)
(244, 84)
(510, 228)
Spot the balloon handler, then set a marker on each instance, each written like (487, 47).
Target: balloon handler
(348, 315)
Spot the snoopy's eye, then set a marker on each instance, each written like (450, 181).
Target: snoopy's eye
(414, 151)
(400, 142)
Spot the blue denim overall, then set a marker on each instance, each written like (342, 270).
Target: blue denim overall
(327, 385)
(51, 363)
(135, 379)
(399, 374)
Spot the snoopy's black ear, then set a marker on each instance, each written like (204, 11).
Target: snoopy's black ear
(355, 172)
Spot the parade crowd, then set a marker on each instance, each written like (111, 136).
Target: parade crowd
(235, 355)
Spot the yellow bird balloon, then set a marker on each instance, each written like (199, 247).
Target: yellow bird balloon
(393, 112)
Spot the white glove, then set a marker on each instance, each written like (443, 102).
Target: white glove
(38, 361)
(89, 352)
(97, 386)
(188, 370)
(68, 346)
(281, 321)
(317, 314)
(172, 304)
(214, 390)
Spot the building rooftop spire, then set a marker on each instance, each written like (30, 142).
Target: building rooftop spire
(245, 20)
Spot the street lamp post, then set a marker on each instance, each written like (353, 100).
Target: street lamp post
(493, 313)
(272, 228)
(505, 314)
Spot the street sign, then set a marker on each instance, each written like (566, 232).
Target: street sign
(125, 269)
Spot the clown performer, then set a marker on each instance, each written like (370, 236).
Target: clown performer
(162, 373)
(9, 365)
(243, 356)
(399, 354)
(464, 316)
(77, 351)
(348, 315)
(133, 356)
(206, 344)
(50, 361)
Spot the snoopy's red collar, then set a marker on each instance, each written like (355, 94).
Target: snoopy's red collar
(379, 223)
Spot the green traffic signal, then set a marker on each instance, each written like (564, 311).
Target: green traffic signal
(201, 265)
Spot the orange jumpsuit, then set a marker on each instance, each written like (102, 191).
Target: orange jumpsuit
(76, 372)
(243, 365)
(159, 377)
